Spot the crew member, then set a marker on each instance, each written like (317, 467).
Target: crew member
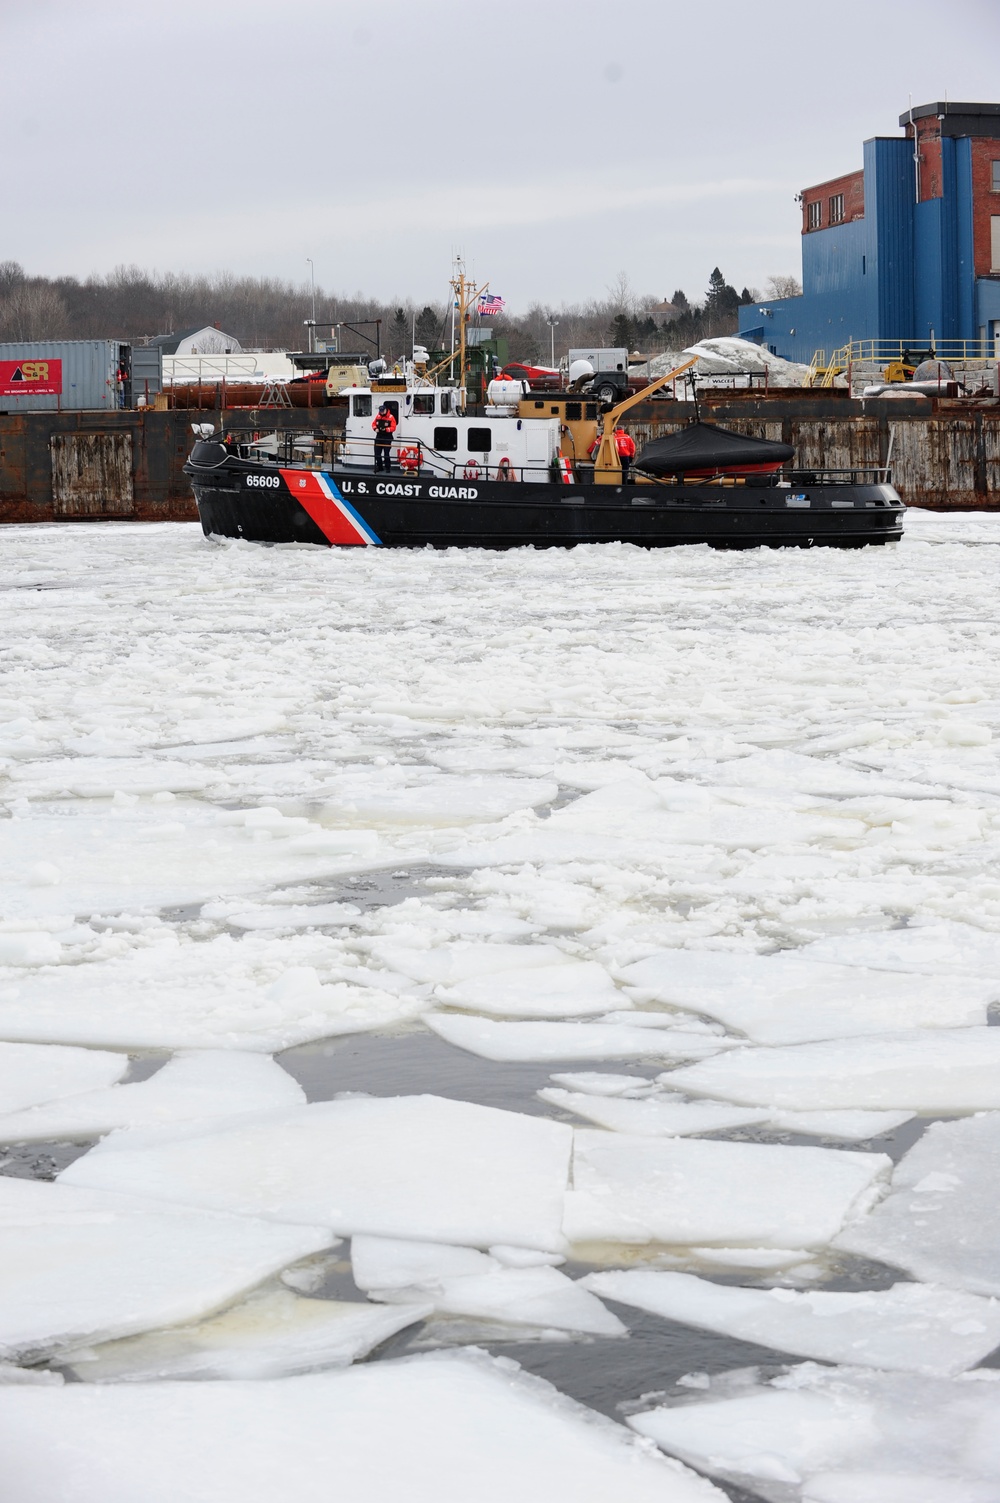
(385, 426)
(625, 444)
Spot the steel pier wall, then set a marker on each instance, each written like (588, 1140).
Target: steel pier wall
(79, 466)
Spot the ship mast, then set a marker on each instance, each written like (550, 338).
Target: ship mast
(466, 294)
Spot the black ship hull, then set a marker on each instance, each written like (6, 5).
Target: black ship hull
(266, 503)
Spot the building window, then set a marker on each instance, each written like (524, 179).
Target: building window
(837, 209)
(995, 181)
(814, 215)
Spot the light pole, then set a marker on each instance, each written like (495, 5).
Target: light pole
(553, 324)
(312, 282)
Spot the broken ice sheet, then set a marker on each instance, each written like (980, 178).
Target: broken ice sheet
(269, 1335)
(908, 1327)
(417, 1166)
(929, 1070)
(258, 992)
(462, 961)
(652, 1116)
(462, 1426)
(785, 999)
(33, 1073)
(843, 1435)
(684, 1191)
(461, 1281)
(941, 1219)
(576, 989)
(504, 1041)
(193, 1085)
(144, 855)
(943, 949)
(425, 797)
(83, 1265)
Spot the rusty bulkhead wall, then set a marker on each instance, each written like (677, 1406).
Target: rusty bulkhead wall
(89, 466)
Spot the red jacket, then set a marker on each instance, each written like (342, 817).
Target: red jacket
(625, 444)
(384, 423)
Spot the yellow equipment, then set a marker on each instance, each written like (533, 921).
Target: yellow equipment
(898, 370)
(607, 464)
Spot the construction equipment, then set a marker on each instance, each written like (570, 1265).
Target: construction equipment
(607, 463)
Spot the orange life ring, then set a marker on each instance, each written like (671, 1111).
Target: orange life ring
(505, 470)
(471, 471)
(409, 457)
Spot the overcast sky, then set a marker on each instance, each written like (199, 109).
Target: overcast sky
(554, 142)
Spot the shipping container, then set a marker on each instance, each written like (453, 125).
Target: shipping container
(147, 374)
(57, 375)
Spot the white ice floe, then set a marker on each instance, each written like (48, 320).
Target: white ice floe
(931, 1070)
(948, 950)
(293, 916)
(34, 1073)
(269, 1335)
(907, 1328)
(259, 992)
(430, 798)
(140, 856)
(684, 1191)
(463, 961)
(651, 1116)
(461, 1281)
(420, 1167)
(83, 1265)
(941, 1221)
(441, 1428)
(851, 1126)
(603, 1083)
(192, 1086)
(843, 1435)
(785, 999)
(579, 988)
(565, 1041)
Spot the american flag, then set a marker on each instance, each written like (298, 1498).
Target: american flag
(489, 305)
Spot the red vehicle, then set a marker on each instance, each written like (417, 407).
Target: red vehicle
(541, 377)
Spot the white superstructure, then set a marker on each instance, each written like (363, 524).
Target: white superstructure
(448, 443)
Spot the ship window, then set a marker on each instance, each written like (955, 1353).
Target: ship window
(574, 412)
(445, 403)
(539, 404)
(814, 215)
(423, 405)
(591, 412)
(361, 406)
(837, 208)
(446, 440)
(480, 440)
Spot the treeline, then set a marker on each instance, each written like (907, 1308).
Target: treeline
(268, 313)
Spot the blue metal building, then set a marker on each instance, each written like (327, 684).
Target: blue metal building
(919, 264)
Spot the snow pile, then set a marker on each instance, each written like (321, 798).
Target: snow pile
(731, 356)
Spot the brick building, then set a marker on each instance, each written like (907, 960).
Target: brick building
(907, 248)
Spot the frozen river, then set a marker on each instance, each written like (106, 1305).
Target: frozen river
(487, 1024)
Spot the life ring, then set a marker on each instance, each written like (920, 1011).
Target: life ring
(471, 471)
(409, 457)
(505, 470)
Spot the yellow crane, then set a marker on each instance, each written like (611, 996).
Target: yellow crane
(607, 463)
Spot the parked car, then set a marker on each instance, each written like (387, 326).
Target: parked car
(541, 377)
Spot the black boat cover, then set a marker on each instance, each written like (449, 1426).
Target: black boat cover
(704, 447)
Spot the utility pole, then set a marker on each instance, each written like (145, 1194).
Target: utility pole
(553, 324)
(312, 326)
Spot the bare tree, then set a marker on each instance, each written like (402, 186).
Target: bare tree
(33, 310)
(783, 285)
